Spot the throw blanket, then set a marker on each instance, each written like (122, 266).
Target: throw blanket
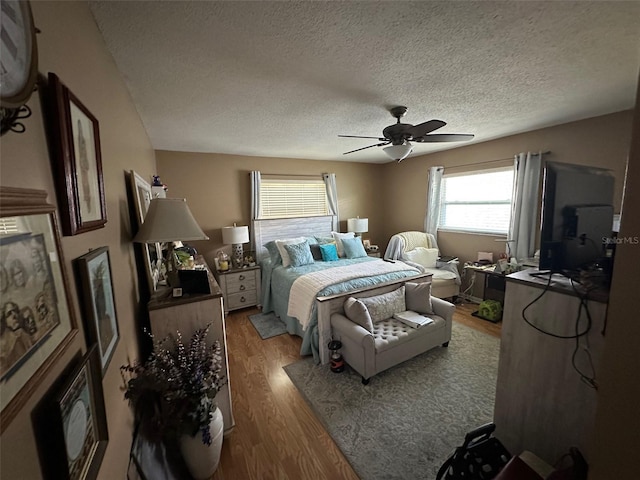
(306, 288)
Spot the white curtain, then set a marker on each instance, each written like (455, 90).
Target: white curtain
(433, 202)
(524, 206)
(332, 196)
(256, 210)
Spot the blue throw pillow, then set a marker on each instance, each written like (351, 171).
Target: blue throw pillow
(300, 254)
(329, 252)
(353, 247)
(272, 248)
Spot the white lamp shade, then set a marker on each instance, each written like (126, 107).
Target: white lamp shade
(169, 220)
(399, 152)
(358, 225)
(234, 235)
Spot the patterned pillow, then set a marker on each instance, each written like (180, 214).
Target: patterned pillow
(382, 307)
(353, 247)
(322, 240)
(355, 311)
(286, 261)
(329, 252)
(418, 297)
(299, 253)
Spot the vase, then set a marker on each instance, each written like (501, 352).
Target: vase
(202, 459)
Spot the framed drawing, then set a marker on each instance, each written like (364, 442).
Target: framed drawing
(152, 254)
(72, 426)
(96, 288)
(77, 161)
(37, 322)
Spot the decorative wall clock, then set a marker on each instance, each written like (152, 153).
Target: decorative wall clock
(18, 63)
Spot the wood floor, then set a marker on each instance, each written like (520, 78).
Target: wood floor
(276, 435)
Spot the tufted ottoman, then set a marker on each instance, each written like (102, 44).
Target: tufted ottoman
(391, 342)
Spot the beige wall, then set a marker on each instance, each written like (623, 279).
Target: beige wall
(71, 46)
(217, 189)
(600, 141)
(617, 429)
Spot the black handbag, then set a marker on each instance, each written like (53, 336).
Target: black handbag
(480, 457)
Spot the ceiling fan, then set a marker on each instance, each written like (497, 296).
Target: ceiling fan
(399, 136)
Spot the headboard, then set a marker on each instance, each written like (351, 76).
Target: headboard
(273, 229)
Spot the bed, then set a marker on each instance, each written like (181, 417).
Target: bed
(291, 291)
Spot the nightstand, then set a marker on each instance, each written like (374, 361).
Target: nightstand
(374, 254)
(241, 287)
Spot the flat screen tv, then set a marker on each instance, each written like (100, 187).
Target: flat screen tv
(577, 217)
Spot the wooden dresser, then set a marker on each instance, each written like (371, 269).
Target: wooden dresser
(187, 314)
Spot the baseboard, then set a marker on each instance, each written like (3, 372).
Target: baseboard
(470, 298)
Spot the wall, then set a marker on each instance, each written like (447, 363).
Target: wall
(601, 141)
(217, 189)
(71, 46)
(617, 428)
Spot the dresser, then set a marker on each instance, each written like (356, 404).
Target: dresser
(187, 314)
(241, 287)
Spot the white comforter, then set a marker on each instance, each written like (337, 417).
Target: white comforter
(306, 288)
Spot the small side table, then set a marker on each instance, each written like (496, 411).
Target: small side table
(374, 254)
(241, 287)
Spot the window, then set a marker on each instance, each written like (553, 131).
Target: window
(478, 202)
(293, 197)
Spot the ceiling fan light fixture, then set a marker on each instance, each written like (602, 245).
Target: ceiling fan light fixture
(398, 152)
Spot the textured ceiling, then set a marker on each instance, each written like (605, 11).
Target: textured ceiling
(283, 79)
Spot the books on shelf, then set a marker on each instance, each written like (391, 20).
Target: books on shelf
(413, 319)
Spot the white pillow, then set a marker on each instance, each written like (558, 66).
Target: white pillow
(338, 238)
(286, 259)
(426, 257)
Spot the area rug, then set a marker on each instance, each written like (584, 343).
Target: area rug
(267, 325)
(410, 418)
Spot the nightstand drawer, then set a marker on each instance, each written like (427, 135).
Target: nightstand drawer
(240, 282)
(242, 299)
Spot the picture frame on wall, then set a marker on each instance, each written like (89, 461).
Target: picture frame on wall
(71, 422)
(37, 321)
(152, 253)
(77, 161)
(99, 309)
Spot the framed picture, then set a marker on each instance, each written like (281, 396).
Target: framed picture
(37, 323)
(96, 288)
(72, 424)
(77, 161)
(152, 253)
(366, 243)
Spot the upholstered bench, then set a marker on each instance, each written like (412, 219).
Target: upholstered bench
(373, 341)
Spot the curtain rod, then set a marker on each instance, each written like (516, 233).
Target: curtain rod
(489, 161)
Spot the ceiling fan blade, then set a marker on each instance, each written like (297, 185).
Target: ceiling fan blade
(443, 137)
(364, 148)
(358, 136)
(422, 129)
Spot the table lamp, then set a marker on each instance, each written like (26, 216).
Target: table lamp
(169, 220)
(236, 236)
(358, 225)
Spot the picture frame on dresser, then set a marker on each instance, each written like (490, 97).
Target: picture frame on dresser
(151, 253)
(99, 309)
(77, 161)
(37, 323)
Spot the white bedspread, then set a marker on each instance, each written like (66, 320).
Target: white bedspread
(306, 288)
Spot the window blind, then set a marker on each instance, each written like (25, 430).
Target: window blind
(478, 202)
(288, 198)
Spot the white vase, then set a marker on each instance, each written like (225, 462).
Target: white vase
(202, 459)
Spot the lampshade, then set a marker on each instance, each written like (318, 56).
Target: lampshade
(234, 235)
(169, 220)
(399, 152)
(358, 225)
